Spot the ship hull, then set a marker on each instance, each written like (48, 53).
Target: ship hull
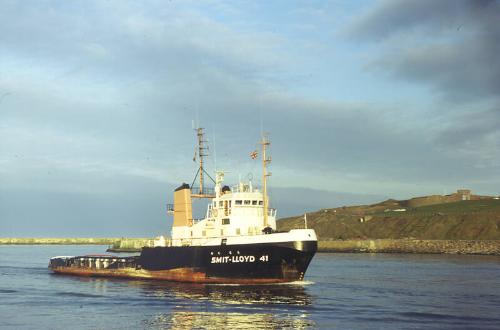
(233, 264)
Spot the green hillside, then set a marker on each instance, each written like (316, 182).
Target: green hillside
(466, 220)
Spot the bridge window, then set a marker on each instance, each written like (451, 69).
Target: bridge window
(254, 202)
(247, 202)
(237, 202)
(225, 221)
(261, 203)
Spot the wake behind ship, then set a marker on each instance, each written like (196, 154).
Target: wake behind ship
(236, 242)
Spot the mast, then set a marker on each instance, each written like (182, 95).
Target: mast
(201, 192)
(265, 161)
(201, 154)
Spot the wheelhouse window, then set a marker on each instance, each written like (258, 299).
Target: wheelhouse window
(261, 203)
(238, 202)
(254, 202)
(247, 202)
(225, 221)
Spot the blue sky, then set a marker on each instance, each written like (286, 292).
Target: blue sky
(364, 100)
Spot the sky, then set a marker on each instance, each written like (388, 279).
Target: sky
(362, 100)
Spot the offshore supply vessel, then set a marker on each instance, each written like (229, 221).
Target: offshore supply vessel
(236, 242)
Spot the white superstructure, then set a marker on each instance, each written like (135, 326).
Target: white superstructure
(235, 211)
(235, 215)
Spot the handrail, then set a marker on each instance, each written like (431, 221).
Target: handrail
(217, 237)
(203, 191)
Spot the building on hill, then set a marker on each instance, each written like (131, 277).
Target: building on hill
(460, 195)
(464, 194)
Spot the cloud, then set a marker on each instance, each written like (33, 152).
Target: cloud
(450, 48)
(98, 98)
(133, 41)
(390, 17)
(450, 45)
(475, 136)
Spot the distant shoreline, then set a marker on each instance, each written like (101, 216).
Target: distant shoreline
(59, 241)
(469, 247)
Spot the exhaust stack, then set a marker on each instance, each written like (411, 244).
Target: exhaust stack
(183, 210)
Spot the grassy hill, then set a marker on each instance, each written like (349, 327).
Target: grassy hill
(463, 220)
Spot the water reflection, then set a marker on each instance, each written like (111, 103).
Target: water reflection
(210, 320)
(289, 294)
(201, 306)
(230, 307)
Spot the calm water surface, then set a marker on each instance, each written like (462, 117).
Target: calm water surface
(342, 291)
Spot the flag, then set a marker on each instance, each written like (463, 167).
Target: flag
(254, 154)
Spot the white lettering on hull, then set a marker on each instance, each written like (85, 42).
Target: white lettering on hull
(238, 259)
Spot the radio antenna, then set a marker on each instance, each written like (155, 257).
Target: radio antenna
(215, 150)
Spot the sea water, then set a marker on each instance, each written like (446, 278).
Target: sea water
(340, 291)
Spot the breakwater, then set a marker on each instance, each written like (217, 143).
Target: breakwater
(480, 247)
(58, 241)
(483, 247)
(116, 244)
(130, 244)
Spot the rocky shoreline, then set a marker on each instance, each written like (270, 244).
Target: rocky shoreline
(479, 247)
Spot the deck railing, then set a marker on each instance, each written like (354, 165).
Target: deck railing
(205, 191)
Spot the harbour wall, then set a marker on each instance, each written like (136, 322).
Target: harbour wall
(130, 244)
(59, 241)
(483, 247)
